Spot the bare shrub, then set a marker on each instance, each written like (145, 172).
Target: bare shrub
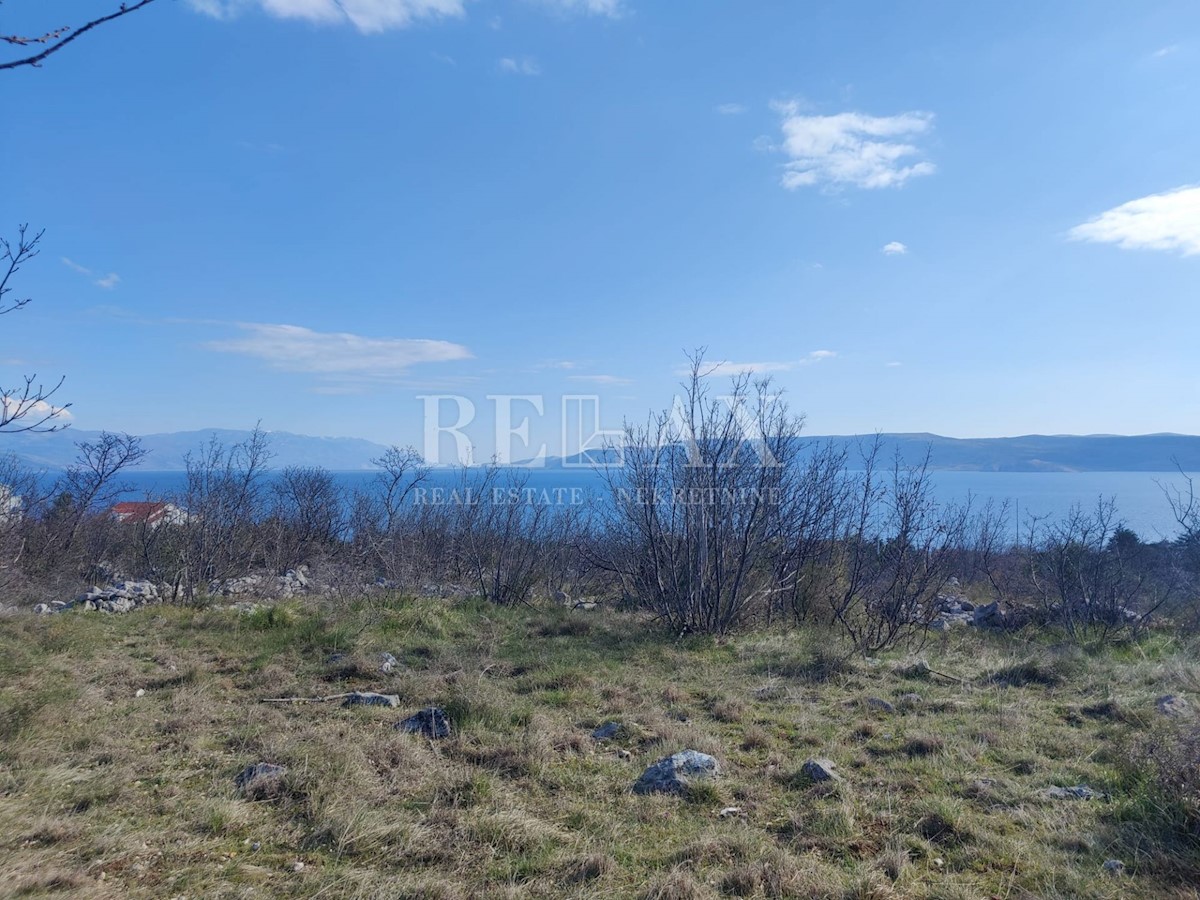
(224, 502)
(1094, 577)
(697, 512)
(895, 553)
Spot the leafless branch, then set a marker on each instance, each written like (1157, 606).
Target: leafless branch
(30, 409)
(60, 37)
(11, 260)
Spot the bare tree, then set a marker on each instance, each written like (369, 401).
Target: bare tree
(50, 41)
(504, 535)
(223, 504)
(27, 407)
(307, 517)
(1094, 577)
(90, 481)
(386, 525)
(894, 553)
(696, 501)
(19, 492)
(67, 529)
(1185, 508)
(815, 503)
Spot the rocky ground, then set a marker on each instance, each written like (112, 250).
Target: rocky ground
(431, 748)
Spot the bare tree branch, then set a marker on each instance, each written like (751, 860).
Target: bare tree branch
(11, 261)
(60, 37)
(28, 407)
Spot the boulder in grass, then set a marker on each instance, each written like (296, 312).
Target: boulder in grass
(820, 770)
(675, 774)
(1075, 792)
(1173, 706)
(607, 731)
(431, 722)
(370, 698)
(260, 781)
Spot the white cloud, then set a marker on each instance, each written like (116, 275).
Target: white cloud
(292, 348)
(851, 148)
(765, 368)
(37, 411)
(1167, 221)
(894, 248)
(108, 282)
(1166, 51)
(600, 379)
(523, 66)
(731, 109)
(611, 8)
(370, 16)
(367, 16)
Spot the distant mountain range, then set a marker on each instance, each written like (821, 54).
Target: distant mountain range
(1030, 453)
(166, 452)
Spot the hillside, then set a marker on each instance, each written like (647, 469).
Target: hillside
(121, 738)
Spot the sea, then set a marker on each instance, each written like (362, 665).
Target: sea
(1139, 496)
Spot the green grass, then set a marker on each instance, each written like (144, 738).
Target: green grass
(103, 793)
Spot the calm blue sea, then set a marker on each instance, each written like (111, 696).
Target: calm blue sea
(1138, 495)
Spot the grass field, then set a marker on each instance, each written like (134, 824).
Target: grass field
(107, 793)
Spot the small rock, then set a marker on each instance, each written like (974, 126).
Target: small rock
(966, 606)
(917, 669)
(730, 812)
(586, 605)
(606, 731)
(818, 770)
(1114, 867)
(42, 609)
(297, 866)
(880, 704)
(1076, 792)
(431, 722)
(388, 663)
(370, 698)
(981, 787)
(140, 692)
(1170, 705)
(911, 699)
(674, 774)
(255, 777)
(988, 615)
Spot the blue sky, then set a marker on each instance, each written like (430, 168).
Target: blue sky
(976, 219)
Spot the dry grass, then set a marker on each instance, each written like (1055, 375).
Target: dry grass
(104, 793)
